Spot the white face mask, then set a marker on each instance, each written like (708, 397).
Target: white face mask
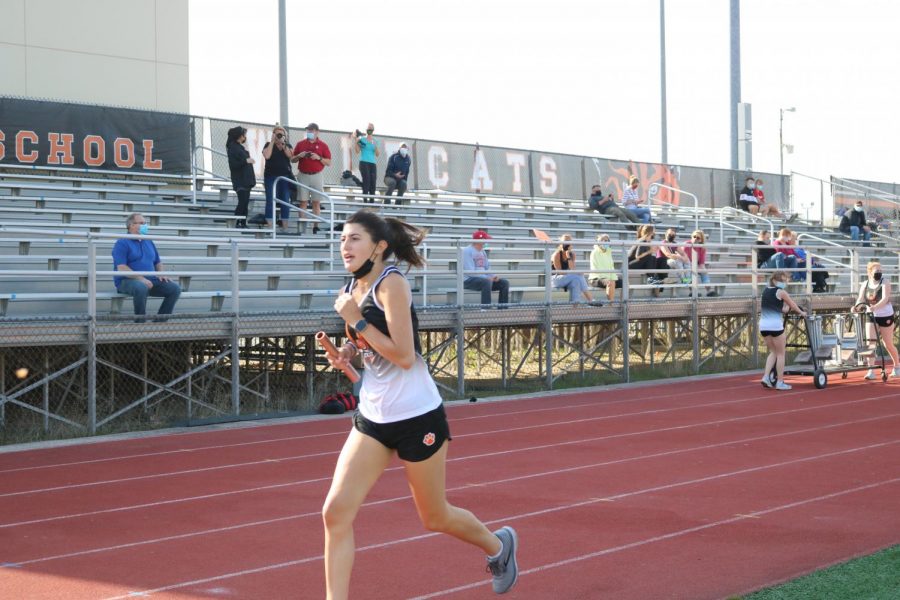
(750, 185)
(404, 152)
(858, 208)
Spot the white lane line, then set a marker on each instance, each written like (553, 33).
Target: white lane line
(342, 432)
(668, 536)
(560, 508)
(464, 435)
(470, 457)
(457, 488)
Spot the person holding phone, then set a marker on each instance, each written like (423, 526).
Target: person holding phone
(366, 146)
(278, 154)
(312, 155)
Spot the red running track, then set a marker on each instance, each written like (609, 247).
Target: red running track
(699, 488)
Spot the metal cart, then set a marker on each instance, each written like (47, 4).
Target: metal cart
(843, 350)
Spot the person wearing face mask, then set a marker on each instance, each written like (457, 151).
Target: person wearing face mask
(278, 154)
(766, 209)
(603, 271)
(875, 298)
(854, 224)
(366, 146)
(477, 267)
(312, 155)
(631, 201)
(139, 254)
(774, 302)
(747, 198)
(784, 244)
(242, 176)
(564, 260)
(397, 173)
(607, 206)
(670, 256)
(400, 409)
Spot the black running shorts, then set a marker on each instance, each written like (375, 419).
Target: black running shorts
(884, 321)
(767, 333)
(415, 439)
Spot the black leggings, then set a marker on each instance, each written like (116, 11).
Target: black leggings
(243, 203)
(368, 171)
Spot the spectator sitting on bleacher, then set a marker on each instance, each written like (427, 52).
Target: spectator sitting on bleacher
(476, 259)
(747, 198)
(671, 256)
(397, 172)
(608, 206)
(242, 176)
(765, 208)
(312, 155)
(768, 257)
(698, 239)
(631, 201)
(603, 271)
(278, 154)
(854, 224)
(642, 256)
(564, 260)
(141, 255)
(818, 276)
(785, 245)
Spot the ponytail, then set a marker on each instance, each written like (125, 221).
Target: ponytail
(401, 237)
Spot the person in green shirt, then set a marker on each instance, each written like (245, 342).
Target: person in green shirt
(603, 271)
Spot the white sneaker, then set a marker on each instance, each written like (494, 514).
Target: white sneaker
(870, 375)
(895, 372)
(766, 383)
(782, 386)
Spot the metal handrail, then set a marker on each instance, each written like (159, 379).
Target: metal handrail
(731, 209)
(850, 252)
(195, 168)
(276, 200)
(880, 193)
(654, 187)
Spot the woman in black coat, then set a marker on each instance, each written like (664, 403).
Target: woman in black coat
(242, 176)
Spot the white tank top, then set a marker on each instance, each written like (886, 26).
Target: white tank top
(390, 393)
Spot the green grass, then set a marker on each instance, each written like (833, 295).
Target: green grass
(873, 577)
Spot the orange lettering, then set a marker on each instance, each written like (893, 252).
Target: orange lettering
(60, 145)
(21, 138)
(92, 159)
(127, 161)
(149, 163)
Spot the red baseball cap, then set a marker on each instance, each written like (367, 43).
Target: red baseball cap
(481, 235)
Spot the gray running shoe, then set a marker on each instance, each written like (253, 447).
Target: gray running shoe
(504, 568)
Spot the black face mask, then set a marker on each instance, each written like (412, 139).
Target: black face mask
(670, 238)
(566, 247)
(876, 275)
(365, 269)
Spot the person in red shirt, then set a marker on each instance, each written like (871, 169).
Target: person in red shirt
(312, 155)
(765, 208)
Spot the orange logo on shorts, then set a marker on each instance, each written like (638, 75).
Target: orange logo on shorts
(428, 440)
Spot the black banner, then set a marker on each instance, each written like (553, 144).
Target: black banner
(34, 132)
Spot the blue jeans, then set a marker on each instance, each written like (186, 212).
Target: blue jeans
(574, 283)
(169, 290)
(485, 285)
(282, 192)
(780, 261)
(640, 212)
(854, 234)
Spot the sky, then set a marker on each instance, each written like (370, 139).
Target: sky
(571, 76)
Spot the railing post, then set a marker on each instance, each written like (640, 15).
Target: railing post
(92, 338)
(331, 234)
(695, 315)
(721, 225)
(754, 272)
(193, 164)
(235, 329)
(626, 350)
(460, 276)
(809, 261)
(425, 275)
(548, 274)
(854, 270)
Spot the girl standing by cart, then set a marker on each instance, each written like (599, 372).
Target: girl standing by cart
(400, 410)
(774, 302)
(875, 297)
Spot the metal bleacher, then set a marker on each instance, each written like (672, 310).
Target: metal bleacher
(48, 221)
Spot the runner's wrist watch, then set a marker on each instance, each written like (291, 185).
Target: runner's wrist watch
(361, 325)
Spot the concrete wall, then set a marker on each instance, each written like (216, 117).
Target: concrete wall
(125, 52)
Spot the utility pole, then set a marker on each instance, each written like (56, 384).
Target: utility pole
(735, 27)
(282, 62)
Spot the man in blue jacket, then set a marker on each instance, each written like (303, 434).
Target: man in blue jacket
(397, 173)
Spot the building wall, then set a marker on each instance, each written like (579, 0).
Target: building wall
(124, 52)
